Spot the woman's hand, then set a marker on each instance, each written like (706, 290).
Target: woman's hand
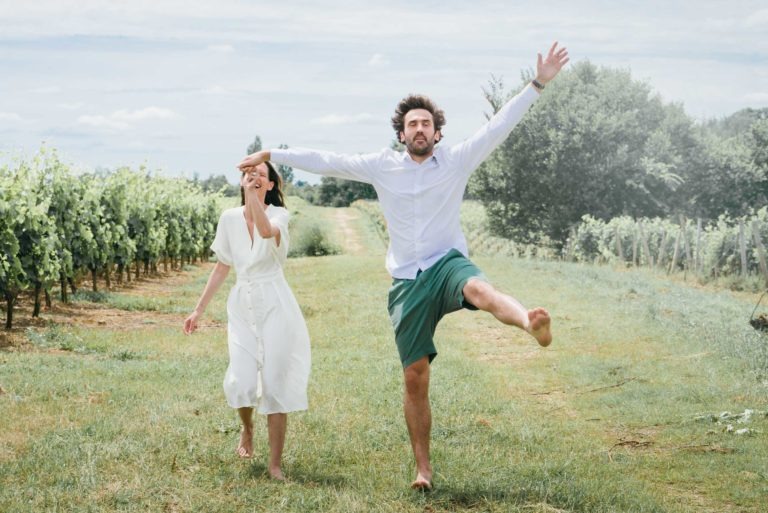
(248, 180)
(190, 323)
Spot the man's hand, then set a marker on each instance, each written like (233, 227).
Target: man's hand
(249, 163)
(546, 69)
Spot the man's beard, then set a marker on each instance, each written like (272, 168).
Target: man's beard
(420, 150)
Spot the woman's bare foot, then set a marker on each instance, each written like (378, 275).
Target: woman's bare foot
(276, 473)
(422, 483)
(245, 448)
(539, 323)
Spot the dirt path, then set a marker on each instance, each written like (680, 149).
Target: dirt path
(349, 236)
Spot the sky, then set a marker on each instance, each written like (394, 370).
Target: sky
(183, 87)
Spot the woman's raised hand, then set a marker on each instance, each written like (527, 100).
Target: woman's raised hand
(248, 180)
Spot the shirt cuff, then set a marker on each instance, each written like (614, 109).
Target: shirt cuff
(278, 154)
(530, 89)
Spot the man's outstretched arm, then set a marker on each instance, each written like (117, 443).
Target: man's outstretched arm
(473, 151)
(350, 167)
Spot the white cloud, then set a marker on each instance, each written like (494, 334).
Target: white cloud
(46, 89)
(124, 119)
(756, 98)
(341, 119)
(72, 106)
(102, 122)
(10, 116)
(378, 61)
(221, 48)
(757, 18)
(143, 114)
(218, 90)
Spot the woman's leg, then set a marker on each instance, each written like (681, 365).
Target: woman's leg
(245, 449)
(276, 426)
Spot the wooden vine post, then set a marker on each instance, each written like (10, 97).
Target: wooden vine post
(676, 252)
(646, 247)
(743, 249)
(662, 249)
(760, 250)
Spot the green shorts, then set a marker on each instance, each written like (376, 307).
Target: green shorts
(416, 306)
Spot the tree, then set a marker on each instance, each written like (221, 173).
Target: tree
(597, 143)
(337, 192)
(219, 183)
(738, 123)
(723, 179)
(254, 146)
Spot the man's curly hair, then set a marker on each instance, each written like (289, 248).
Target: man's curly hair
(416, 101)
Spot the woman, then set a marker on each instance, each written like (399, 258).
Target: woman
(269, 355)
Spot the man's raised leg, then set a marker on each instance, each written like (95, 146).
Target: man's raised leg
(509, 310)
(418, 417)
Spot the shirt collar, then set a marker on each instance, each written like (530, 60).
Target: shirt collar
(437, 156)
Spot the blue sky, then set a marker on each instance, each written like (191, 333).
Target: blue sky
(183, 87)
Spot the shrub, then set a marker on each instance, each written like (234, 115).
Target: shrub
(310, 238)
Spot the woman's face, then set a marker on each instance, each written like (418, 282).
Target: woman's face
(258, 179)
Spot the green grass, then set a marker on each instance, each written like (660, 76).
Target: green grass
(605, 420)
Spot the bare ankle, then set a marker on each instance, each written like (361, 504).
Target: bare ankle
(276, 473)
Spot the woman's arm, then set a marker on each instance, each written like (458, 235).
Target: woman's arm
(260, 220)
(217, 277)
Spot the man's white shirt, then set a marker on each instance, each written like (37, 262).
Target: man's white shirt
(421, 202)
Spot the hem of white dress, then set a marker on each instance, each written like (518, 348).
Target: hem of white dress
(266, 412)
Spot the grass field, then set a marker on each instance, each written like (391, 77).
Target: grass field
(621, 414)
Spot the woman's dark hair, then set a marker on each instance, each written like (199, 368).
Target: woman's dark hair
(416, 101)
(275, 196)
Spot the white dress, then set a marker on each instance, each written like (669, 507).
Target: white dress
(269, 355)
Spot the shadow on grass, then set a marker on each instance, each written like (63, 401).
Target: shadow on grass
(574, 497)
(471, 498)
(298, 475)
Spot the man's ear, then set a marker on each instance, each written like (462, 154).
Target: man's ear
(402, 137)
(438, 136)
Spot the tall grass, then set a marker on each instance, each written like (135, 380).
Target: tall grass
(607, 419)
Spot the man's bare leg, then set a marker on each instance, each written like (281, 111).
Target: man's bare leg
(245, 448)
(276, 426)
(509, 310)
(418, 418)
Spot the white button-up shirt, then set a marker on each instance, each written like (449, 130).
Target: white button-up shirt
(420, 202)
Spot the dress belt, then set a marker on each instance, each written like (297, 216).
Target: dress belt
(258, 278)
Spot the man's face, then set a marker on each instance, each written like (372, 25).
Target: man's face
(419, 136)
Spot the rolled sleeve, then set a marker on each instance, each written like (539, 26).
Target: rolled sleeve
(220, 244)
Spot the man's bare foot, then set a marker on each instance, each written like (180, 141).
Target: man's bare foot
(422, 483)
(276, 474)
(539, 326)
(245, 448)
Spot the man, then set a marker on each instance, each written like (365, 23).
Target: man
(420, 191)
